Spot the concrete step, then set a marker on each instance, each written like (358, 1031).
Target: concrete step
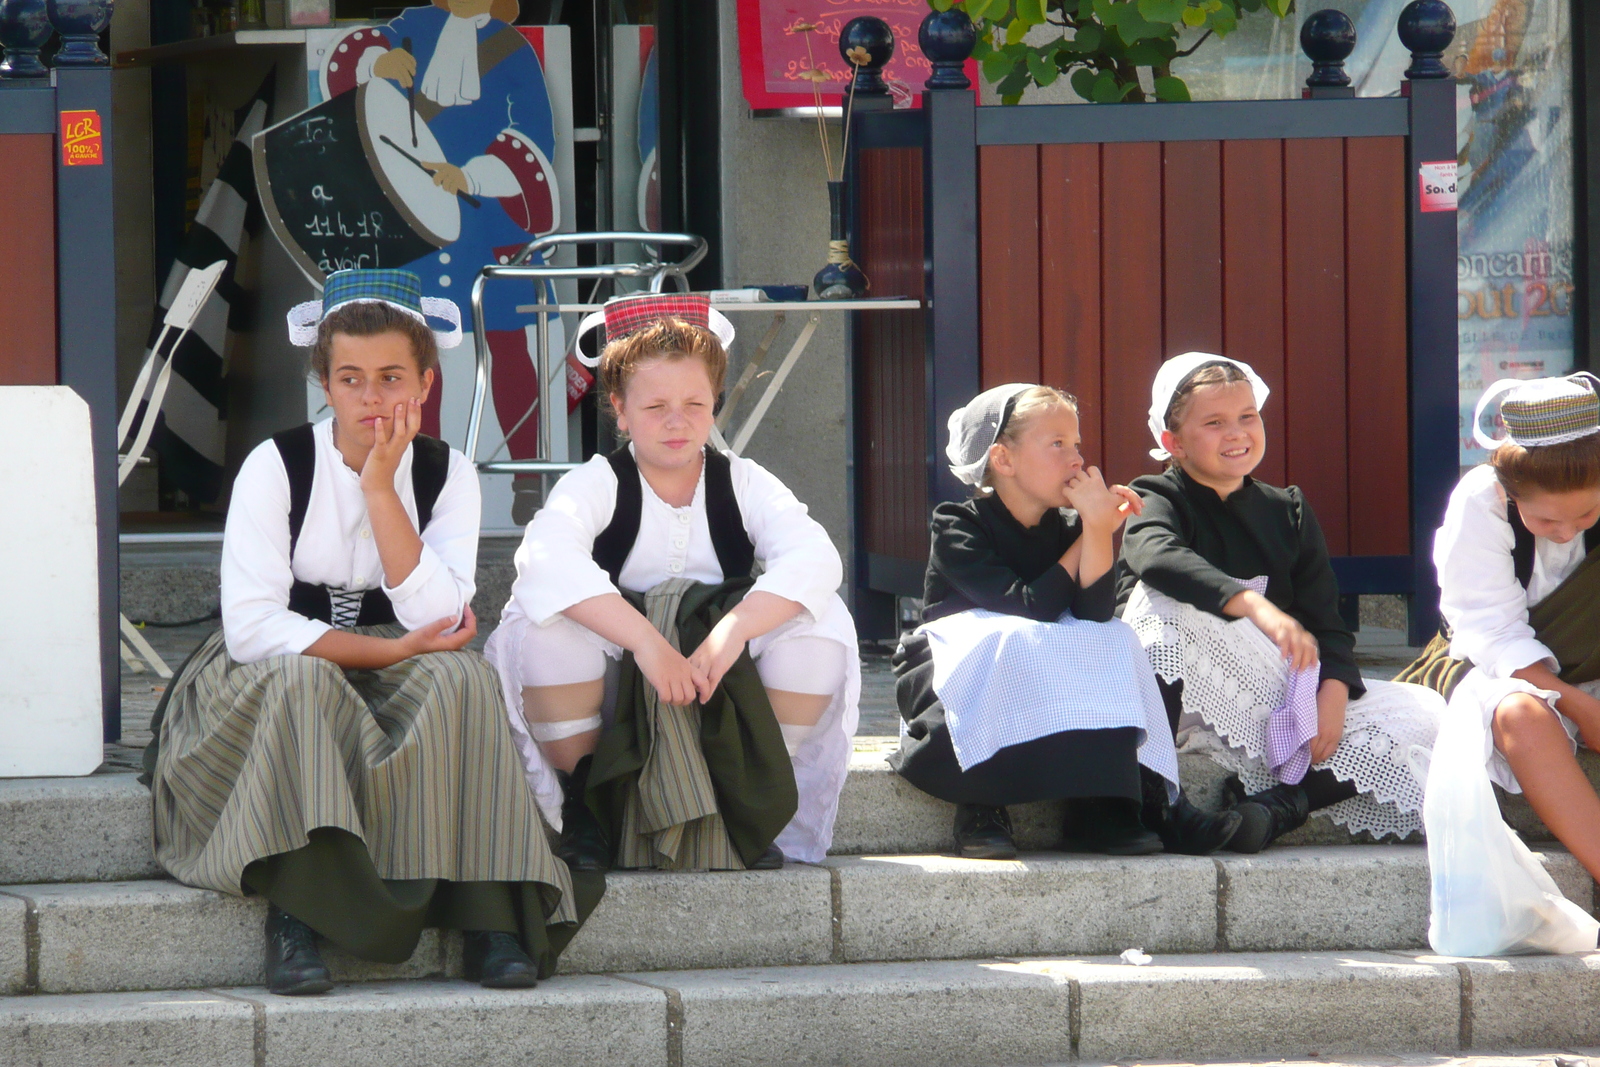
(98, 828)
(968, 1013)
(110, 936)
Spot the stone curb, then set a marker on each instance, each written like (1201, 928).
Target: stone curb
(981, 1013)
(101, 937)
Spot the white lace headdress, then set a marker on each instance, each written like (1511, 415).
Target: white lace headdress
(1540, 411)
(400, 289)
(1170, 378)
(976, 427)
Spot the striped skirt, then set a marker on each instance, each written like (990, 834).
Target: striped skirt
(414, 762)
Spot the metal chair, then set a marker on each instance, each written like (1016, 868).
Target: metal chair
(656, 270)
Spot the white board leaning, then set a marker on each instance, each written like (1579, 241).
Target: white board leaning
(50, 715)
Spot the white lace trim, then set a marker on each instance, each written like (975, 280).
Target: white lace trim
(1233, 678)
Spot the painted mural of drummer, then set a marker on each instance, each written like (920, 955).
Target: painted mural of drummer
(478, 86)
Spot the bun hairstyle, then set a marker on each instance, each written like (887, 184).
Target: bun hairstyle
(369, 318)
(668, 338)
(1558, 468)
(1221, 372)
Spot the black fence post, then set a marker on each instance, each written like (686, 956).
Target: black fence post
(1427, 27)
(1327, 38)
(950, 233)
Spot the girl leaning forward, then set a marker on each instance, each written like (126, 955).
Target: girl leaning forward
(1228, 582)
(1019, 685)
(334, 747)
(681, 673)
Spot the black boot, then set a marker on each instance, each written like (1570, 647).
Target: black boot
(583, 841)
(495, 961)
(1109, 825)
(1268, 815)
(983, 832)
(294, 966)
(770, 860)
(1182, 827)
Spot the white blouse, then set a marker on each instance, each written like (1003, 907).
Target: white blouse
(1480, 597)
(556, 567)
(336, 548)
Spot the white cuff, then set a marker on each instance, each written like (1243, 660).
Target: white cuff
(1522, 653)
(428, 567)
(307, 633)
(364, 64)
(489, 176)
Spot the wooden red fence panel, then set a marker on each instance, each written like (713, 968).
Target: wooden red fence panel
(28, 234)
(1191, 220)
(1131, 312)
(1008, 228)
(1069, 280)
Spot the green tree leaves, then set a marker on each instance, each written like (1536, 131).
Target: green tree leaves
(1101, 46)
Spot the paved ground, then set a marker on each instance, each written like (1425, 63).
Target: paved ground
(1381, 652)
(1567, 1058)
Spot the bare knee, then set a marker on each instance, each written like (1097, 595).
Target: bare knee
(1522, 719)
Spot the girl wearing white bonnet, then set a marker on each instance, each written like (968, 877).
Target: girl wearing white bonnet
(1519, 580)
(1228, 583)
(1020, 685)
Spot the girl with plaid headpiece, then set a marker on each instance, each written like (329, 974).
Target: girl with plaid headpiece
(334, 747)
(1519, 583)
(1228, 582)
(681, 672)
(1019, 685)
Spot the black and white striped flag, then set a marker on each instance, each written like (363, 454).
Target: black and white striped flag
(191, 431)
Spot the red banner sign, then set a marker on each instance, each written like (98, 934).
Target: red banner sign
(776, 63)
(81, 143)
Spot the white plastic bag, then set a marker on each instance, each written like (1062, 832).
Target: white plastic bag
(1491, 896)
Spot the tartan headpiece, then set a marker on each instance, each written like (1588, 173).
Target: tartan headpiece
(1541, 411)
(624, 315)
(398, 288)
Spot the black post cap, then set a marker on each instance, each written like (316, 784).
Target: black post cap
(867, 44)
(947, 39)
(1426, 28)
(1327, 38)
(24, 29)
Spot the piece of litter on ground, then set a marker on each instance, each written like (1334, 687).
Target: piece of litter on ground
(1135, 956)
(1571, 1061)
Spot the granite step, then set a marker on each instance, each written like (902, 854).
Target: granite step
(98, 828)
(968, 1013)
(156, 934)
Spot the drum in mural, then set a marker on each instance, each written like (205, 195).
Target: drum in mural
(344, 184)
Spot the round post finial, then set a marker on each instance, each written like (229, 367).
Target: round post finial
(867, 44)
(24, 29)
(80, 23)
(1327, 38)
(1426, 28)
(947, 39)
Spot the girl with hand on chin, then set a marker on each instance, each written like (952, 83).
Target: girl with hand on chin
(333, 747)
(676, 705)
(1231, 574)
(1020, 685)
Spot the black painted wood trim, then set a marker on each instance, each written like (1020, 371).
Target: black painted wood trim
(887, 129)
(28, 108)
(1228, 120)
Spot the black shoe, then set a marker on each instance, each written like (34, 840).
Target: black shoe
(1109, 825)
(583, 844)
(294, 966)
(1182, 827)
(770, 860)
(1268, 815)
(983, 832)
(495, 961)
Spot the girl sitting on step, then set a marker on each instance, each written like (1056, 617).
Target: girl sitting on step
(1020, 685)
(1518, 557)
(334, 747)
(1228, 583)
(682, 676)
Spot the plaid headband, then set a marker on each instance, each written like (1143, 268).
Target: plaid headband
(1541, 411)
(398, 288)
(624, 315)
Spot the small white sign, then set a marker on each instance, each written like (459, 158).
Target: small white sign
(192, 295)
(1438, 186)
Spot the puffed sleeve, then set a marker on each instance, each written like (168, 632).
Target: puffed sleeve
(555, 562)
(1316, 600)
(800, 561)
(256, 575)
(1479, 595)
(1156, 550)
(964, 554)
(445, 576)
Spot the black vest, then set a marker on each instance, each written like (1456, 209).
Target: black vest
(735, 554)
(1523, 544)
(430, 466)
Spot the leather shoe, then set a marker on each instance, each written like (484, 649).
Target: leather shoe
(770, 860)
(294, 966)
(583, 845)
(1110, 826)
(983, 832)
(1267, 815)
(495, 961)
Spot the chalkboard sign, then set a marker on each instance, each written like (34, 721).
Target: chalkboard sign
(343, 186)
